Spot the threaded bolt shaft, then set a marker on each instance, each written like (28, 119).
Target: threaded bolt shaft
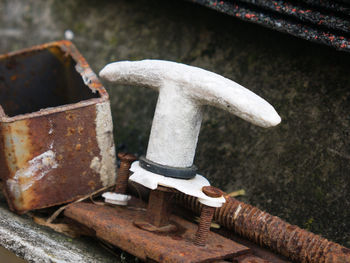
(126, 160)
(203, 230)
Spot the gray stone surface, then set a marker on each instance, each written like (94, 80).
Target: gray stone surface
(35, 243)
(298, 171)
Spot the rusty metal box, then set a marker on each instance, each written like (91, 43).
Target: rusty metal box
(56, 138)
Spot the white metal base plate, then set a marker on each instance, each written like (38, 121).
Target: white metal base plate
(191, 187)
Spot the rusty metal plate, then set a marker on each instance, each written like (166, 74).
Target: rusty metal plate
(115, 225)
(56, 139)
(251, 259)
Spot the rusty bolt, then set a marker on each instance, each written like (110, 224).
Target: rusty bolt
(207, 214)
(212, 191)
(126, 159)
(203, 230)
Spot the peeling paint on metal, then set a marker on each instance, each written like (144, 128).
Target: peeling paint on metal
(237, 212)
(36, 169)
(51, 127)
(106, 166)
(95, 164)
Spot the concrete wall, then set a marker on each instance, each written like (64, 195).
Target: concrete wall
(298, 171)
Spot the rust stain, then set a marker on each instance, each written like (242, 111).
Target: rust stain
(78, 147)
(57, 52)
(16, 133)
(70, 117)
(80, 130)
(70, 131)
(92, 184)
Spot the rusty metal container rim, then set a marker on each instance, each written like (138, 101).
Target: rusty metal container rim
(84, 70)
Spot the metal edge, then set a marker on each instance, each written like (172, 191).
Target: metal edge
(94, 84)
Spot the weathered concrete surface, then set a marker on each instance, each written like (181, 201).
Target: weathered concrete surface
(298, 171)
(34, 243)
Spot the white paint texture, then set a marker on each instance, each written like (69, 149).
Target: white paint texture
(237, 212)
(191, 187)
(105, 165)
(51, 126)
(36, 169)
(116, 199)
(183, 90)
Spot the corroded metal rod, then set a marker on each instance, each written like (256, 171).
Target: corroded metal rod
(271, 231)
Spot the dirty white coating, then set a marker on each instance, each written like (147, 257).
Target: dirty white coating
(191, 187)
(105, 164)
(116, 198)
(183, 90)
(34, 171)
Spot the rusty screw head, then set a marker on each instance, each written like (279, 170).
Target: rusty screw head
(127, 157)
(212, 191)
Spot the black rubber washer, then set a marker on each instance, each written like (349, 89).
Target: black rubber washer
(168, 171)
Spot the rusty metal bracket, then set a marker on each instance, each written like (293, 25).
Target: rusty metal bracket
(115, 225)
(150, 232)
(56, 139)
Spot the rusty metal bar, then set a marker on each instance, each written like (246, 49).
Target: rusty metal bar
(159, 208)
(266, 230)
(115, 225)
